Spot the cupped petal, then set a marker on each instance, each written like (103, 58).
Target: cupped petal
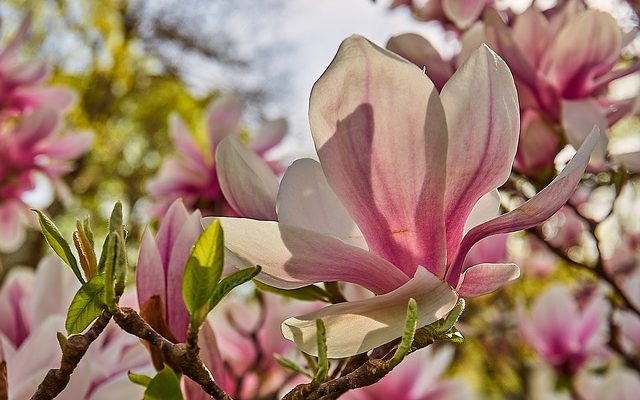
(358, 326)
(150, 274)
(223, 119)
(463, 13)
(419, 51)
(270, 134)
(536, 210)
(170, 227)
(177, 314)
(481, 105)
(376, 117)
(292, 257)
(585, 48)
(485, 278)
(306, 200)
(247, 182)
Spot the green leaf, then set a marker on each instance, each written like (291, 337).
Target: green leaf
(115, 225)
(323, 361)
(230, 282)
(410, 326)
(452, 318)
(202, 272)
(139, 379)
(86, 225)
(86, 305)
(288, 364)
(305, 293)
(58, 244)
(113, 260)
(164, 386)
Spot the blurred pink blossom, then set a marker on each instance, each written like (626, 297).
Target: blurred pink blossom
(32, 308)
(457, 14)
(418, 377)
(564, 334)
(191, 173)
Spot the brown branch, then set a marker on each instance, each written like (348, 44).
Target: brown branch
(4, 383)
(74, 349)
(178, 354)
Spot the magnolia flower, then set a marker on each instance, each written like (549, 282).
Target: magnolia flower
(20, 80)
(561, 332)
(406, 185)
(619, 384)
(191, 174)
(32, 309)
(418, 377)
(159, 276)
(30, 148)
(460, 13)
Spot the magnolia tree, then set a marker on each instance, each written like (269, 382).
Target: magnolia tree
(350, 274)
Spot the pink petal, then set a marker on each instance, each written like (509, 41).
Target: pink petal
(481, 104)
(485, 278)
(539, 144)
(306, 200)
(37, 125)
(150, 274)
(52, 291)
(184, 143)
(292, 257)
(11, 48)
(67, 147)
(177, 315)
(375, 117)
(246, 180)
(532, 33)
(536, 210)
(578, 119)
(419, 51)
(270, 134)
(59, 98)
(584, 49)
(223, 119)
(463, 13)
(470, 40)
(486, 208)
(12, 226)
(170, 227)
(25, 74)
(358, 326)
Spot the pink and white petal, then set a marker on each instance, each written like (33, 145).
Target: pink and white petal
(486, 208)
(53, 289)
(247, 182)
(485, 278)
(555, 316)
(578, 119)
(183, 141)
(292, 257)
(67, 147)
(223, 119)
(481, 104)
(376, 117)
(12, 226)
(584, 49)
(269, 135)
(37, 125)
(470, 41)
(358, 326)
(306, 200)
(630, 160)
(531, 32)
(150, 273)
(419, 51)
(25, 74)
(170, 227)
(177, 315)
(11, 48)
(59, 98)
(536, 210)
(463, 13)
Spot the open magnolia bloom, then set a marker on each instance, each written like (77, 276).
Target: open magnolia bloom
(406, 185)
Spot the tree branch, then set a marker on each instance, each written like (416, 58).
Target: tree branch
(178, 354)
(74, 349)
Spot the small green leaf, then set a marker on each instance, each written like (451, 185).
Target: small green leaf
(202, 272)
(410, 326)
(323, 361)
(86, 305)
(288, 364)
(110, 265)
(58, 244)
(230, 282)
(164, 386)
(86, 225)
(305, 293)
(139, 379)
(452, 318)
(87, 255)
(115, 225)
